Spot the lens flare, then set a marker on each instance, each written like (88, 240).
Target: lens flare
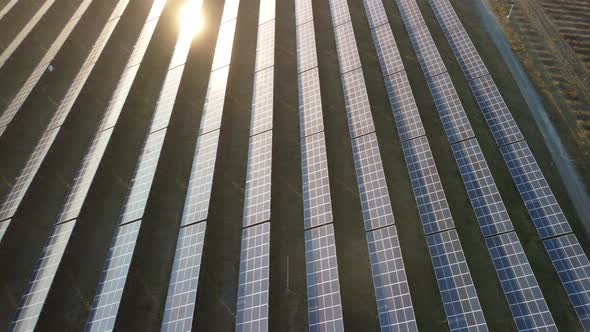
(191, 17)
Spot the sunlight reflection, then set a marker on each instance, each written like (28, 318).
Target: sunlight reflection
(191, 18)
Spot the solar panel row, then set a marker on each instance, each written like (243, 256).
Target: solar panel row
(110, 290)
(392, 292)
(323, 284)
(252, 302)
(184, 279)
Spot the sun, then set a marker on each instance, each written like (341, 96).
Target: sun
(191, 17)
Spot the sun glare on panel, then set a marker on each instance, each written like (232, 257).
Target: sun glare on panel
(191, 17)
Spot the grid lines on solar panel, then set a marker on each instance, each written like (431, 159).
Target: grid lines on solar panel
(323, 289)
(387, 51)
(81, 185)
(496, 112)
(114, 275)
(339, 12)
(450, 110)
(196, 205)
(33, 299)
(8, 50)
(41, 67)
(455, 284)
(267, 11)
(310, 103)
(433, 207)
(394, 303)
(182, 47)
(184, 279)
(224, 45)
(214, 100)
(142, 42)
(24, 179)
(317, 202)
(102, 40)
(481, 188)
(403, 105)
(527, 304)
(303, 12)
(411, 15)
(252, 309)
(265, 46)
(3, 227)
(573, 268)
(466, 54)
(372, 186)
(165, 105)
(143, 177)
(258, 179)
(230, 10)
(445, 15)
(306, 49)
(348, 55)
(358, 109)
(117, 101)
(262, 101)
(534, 190)
(375, 13)
(427, 53)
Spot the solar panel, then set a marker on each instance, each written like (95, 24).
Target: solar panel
(3, 227)
(266, 11)
(196, 205)
(394, 303)
(387, 51)
(214, 100)
(262, 101)
(370, 177)
(265, 46)
(481, 188)
(427, 53)
(184, 279)
(348, 55)
(85, 176)
(143, 177)
(224, 45)
(258, 179)
(527, 304)
(252, 309)
(450, 110)
(538, 198)
(445, 14)
(24, 179)
(375, 13)
(310, 103)
(230, 10)
(469, 60)
(303, 12)
(306, 49)
(317, 202)
(323, 289)
(144, 39)
(358, 109)
(454, 282)
(428, 190)
(411, 15)
(33, 299)
(339, 12)
(118, 99)
(403, 105)
(114, 275)
(498, 116)
(573, 268)
(165, 105)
